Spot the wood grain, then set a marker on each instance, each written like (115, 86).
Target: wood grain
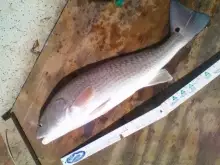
(89, 31)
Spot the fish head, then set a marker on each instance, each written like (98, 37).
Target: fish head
(62, 116)
(52, 119)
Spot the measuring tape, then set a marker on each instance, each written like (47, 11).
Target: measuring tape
(141, 117)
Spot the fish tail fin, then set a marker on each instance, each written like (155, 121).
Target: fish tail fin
(186, 21)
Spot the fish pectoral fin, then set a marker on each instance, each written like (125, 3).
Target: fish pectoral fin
(84, 97)
(100, 108)
(162, 77)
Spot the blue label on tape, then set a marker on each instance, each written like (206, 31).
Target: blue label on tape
(75, 157)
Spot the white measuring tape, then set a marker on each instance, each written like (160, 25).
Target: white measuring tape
(146, 119)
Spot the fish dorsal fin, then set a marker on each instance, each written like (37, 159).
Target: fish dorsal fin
(162, 77)
(84, 97)
(100, 108)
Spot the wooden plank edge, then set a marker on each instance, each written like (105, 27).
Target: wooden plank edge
(25, 139)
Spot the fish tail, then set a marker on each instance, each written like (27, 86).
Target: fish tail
(186, 21)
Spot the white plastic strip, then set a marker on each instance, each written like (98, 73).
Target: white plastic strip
(148, 118)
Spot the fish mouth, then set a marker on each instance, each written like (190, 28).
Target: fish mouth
(43, 139)
(49, 135)
(47, 139)
(40, 134)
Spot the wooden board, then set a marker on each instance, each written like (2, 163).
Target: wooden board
(89, 31)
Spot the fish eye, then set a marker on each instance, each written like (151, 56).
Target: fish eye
(177, 29)
(40, 125)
